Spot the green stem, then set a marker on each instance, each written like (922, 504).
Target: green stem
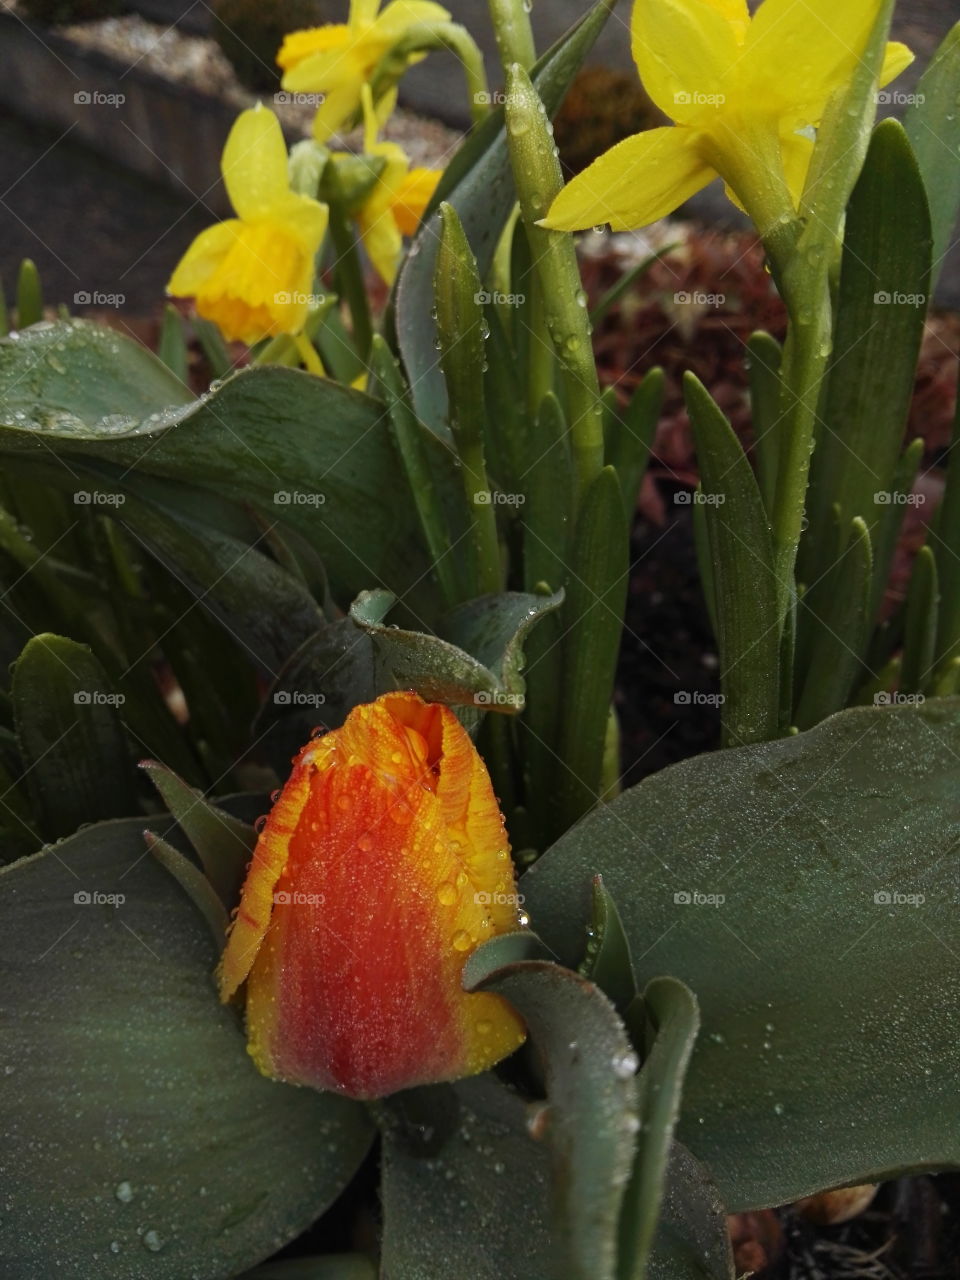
(538, 179)
(437, 35)
(350, 279)
(514, 32)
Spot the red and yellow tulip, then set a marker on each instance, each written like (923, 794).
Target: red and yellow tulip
(383, 864)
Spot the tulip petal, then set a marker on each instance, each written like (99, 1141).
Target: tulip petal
(687, 53)
(203, 258)
(637, 181)
(255, 163)
(396, 868)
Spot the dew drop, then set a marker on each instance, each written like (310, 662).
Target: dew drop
(152, 1241)
(446, 894)
(124, 1192)
(462, 940)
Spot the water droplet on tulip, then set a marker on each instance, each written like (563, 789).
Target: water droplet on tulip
(275, 796)
(260, 823)
(365, 843)
(462, 940)
(343, 802)
(446, 894)
(484, 1027)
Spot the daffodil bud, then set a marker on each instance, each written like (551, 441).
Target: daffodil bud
(383, 864)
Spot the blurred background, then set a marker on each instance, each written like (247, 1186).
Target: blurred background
(113, 114)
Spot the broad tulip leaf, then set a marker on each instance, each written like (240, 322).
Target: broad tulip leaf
(71, 377)
(479, 185)
(692, 1241)
(334, 1266)
(932, 129)
(301, 450)
(77, 767)
(781, 882)
(140, 1139)
(466, 1187)
(475, 662)
(591, 1123)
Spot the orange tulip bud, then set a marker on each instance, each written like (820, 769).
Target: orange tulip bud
(383, 864)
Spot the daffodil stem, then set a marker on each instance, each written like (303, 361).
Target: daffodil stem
(514, 32)
(538, 179)
(349, 271)
(437, 35)
(461, 326)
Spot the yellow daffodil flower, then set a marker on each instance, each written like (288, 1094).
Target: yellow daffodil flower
(396, 202)
(253, 275)
(338, 59)
(745, 94)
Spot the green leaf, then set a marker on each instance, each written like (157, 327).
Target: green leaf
(214, 347)
(194, 884)
(629, 437)
(128, 1087)
(693, 1242)
(765, 357)
(607, 961)
(671, 1011)
(67, 377)
(884, 287)
(223, 844)
(29, 295)
(944, 537)
(333, 1266)
(920, 633)
(823, 1004)
(467, 1182)
(479, 185)
(838, 619)
(476, 662)
(75, 758)
(593, 617)
(172, 348)
(744, 578)
(297, 448)
(591, 1123)
(931, 127)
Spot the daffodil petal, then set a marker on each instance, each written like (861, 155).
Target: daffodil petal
(255, 162)
(796, 150)
(363, 12)
(412, 196)
(382, 241)
(637, 181)
(203, 258)
(300, 45)
(798, 52)
(340, 104)
(896, 59)
(398, 17)
(687, 53)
